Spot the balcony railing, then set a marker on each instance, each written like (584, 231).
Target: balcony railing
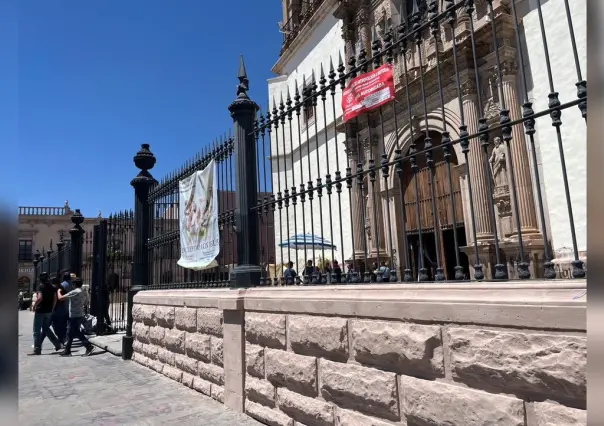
(42, 211)
(297, 20)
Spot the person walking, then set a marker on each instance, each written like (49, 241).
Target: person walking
(60, 315)
(78, 300)
(44, 306)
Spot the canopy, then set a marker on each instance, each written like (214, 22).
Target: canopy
(308, 242)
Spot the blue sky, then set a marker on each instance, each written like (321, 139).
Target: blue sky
(95, 79)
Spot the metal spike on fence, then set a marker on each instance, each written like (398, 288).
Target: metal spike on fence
(415, 9)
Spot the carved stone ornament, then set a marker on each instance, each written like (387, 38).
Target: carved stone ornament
(504, 206)
(509, 68)
(348, 32)
(491, 109)
(362, 17)
(468, 87)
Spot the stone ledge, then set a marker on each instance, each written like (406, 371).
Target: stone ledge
(538, 304)
(202, 298)
(534, 304)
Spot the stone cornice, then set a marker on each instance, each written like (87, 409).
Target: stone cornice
(304, 35)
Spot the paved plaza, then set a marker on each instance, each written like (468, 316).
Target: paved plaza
(104, 390)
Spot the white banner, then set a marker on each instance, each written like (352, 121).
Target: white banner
(198, 216)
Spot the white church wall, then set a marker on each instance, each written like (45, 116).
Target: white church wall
(573, 129)
(292, 146)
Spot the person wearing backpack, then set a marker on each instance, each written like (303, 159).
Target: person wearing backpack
(78, 302)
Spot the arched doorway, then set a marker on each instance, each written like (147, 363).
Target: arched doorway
(444, 223)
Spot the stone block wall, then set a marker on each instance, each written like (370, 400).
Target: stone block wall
(407, 355)
(320, 370)
(184, 344)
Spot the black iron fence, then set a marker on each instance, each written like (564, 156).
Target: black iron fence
(397, 194)
(102, 258)
(111, 259)
(402, 192)
(440, 183)
(164, 243)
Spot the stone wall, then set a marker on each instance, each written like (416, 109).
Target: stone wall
(329, 370)
(184, 344)
(411, 355)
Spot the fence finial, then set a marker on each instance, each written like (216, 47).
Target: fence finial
(244, 83)
(415, 10)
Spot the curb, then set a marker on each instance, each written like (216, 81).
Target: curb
(115, 349)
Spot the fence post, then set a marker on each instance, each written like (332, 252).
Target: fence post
(77, 243)
(34, 286)
(60, 245)
(243, 110)
(48, 253)
(144, 160)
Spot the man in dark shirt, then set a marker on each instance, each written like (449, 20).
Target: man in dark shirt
(45, 304)
(61, 312)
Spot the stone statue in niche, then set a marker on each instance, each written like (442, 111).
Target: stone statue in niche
(367, 217)
(498, 164)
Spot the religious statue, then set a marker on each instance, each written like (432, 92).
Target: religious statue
(367, 218)
(498, 164)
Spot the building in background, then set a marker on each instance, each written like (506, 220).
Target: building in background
(40, 228)
(316, 143)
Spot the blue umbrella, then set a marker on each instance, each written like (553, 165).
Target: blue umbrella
(307, 241)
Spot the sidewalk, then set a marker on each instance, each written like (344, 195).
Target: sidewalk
(104, 390)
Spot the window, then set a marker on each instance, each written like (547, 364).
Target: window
(308, 108)
(25, 251)
(309, 114)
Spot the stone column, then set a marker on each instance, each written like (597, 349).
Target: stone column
(358, 228)
(362, 23)
(285, 4)
(478, 174)
(374, 218)
(348, 37)
(519, 155)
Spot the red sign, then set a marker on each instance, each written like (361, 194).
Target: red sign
(368, 91)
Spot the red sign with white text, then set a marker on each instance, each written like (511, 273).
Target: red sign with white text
(368, 91)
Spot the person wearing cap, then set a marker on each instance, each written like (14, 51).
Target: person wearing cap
(60, 315)
(44, 306)
(78, 301)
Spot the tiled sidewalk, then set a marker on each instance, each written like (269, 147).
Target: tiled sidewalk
(104, 390)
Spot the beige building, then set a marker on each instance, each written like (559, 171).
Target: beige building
(40, 228)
